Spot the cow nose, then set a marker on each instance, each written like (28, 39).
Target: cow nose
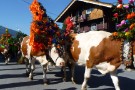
(62, 64)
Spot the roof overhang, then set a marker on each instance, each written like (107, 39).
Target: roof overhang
(75, 4)
(108, 5)
(65, 10)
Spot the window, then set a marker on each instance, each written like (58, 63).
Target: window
(88, 11)
(94, 27)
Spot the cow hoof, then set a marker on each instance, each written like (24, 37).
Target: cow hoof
(45, 84)
(84, 89)
(49, 69)
(6, 63)
(73, 82)
(31, 78)
(64, 80)
(129, 69)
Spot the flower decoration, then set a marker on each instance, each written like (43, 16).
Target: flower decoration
(43, 30)
(126, 6)
(69, 25)
(4, 37)
(116, 15)
(124, 16)
(131, 1)
(119, 6)
(120, 1)
(126, 30)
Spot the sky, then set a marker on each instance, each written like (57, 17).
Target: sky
(15, 14)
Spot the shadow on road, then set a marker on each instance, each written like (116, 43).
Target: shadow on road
(21, 84)
(96, 80)
(6, 76)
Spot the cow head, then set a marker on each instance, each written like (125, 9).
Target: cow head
(56, 55)
(4, 49)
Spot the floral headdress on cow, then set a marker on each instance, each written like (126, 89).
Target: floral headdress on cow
(124, 15)
(68, 26)
(43, 30)
(4, 37)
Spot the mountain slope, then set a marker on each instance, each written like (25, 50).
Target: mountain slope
(12, 32)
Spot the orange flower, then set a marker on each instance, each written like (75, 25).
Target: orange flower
(129, 16)
(132, 26)
(58, 46)
(115, 34)
(133, 14)
(55, 25)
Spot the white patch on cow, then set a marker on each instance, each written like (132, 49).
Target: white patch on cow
(5, 50)
(87, 72)
(56, 58)
(21, 46)
(134, 59)
(42, 59)
(88, 40)
(105, 67)
(28, 49)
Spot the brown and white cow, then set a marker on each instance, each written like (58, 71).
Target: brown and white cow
(40, 56)
(4, 51)
(97, 49)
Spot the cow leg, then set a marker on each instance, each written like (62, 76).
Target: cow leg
(32, 68)
(71, 66)
(64, 73)
(115, 80)
(44, 67)
(86, 77)
(7, 59)
(27, 64)
(48, 66)
(72, 69)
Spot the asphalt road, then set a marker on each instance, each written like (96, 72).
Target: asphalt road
(12, 77)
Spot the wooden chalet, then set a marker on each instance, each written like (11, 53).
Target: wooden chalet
(89, 15)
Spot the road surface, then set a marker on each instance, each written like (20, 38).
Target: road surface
(12, 77)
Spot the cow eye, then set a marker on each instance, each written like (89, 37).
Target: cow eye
(55, 51)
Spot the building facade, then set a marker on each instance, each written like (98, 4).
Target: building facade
(89, 15)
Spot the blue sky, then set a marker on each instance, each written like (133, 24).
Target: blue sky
(15, 14)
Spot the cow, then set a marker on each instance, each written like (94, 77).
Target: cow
(97, 49)
(4, 50)
(41, 57)
(69, 62)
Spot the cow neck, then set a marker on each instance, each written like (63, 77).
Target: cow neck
(126, 52)
(48, 57)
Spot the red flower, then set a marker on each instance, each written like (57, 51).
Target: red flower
(120, 1)
(115, 15)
